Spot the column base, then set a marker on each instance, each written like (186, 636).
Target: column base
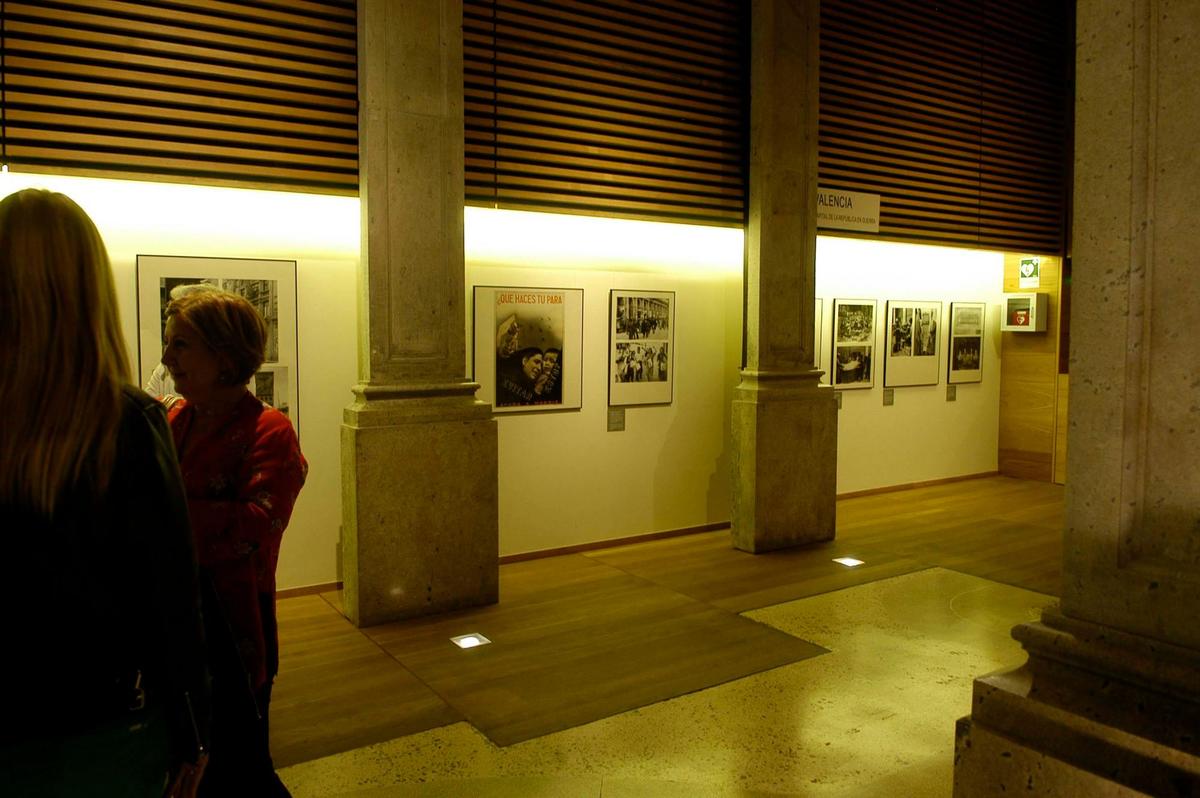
(419, 502)
(784, 461)
(1093, 712)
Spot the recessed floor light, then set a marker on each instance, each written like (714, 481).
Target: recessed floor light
(470, 641)
(849, 562)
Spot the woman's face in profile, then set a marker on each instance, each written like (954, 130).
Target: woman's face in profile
(194, 367)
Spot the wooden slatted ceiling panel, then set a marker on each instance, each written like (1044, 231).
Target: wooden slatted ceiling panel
(955, 112)
(630, 108)
(257, 94)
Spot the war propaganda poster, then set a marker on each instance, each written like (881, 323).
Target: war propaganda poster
(528, 347)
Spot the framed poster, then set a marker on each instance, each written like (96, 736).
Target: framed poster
(529, 347)
(853, 343)
(641, 360)
(911, 354)
(966, 342)
(269, 285)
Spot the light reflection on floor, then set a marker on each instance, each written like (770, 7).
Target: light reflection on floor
(874, 717)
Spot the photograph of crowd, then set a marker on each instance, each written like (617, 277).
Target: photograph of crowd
(853, 343)
(641, 349)
(854, 320)
(965, 354)
(966, 342)
(642, 318)
(638, 362)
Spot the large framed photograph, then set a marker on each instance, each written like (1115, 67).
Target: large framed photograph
(269, 285)
(853, 343)
(641, 361)
(966, 342)
(529, 347)
(911, 355)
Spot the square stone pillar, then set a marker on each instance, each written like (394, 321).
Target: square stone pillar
(784, 425)
(419, 479)
(1108, 702)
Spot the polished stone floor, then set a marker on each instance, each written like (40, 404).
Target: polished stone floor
(873, 717)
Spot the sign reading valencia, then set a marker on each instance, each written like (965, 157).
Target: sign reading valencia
(847, 210)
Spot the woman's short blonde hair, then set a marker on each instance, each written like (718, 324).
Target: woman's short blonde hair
(229, 325)
(63, 353)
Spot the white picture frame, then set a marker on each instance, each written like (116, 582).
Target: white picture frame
(269, 285)
(641, 339)
(912, 351)
(964, 349)
(528, 347)
(852, 362)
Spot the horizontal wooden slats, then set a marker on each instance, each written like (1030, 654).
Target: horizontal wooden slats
(258, 94)
(611, 107)
(955, 112)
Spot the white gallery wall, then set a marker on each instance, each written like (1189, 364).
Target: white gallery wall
(564, 479)
(320, 233)
(921, 436)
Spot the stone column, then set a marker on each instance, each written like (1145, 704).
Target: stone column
(419, 484)
(1108, 702)
(784, 426)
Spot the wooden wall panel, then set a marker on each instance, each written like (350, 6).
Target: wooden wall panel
(260, 94)
(1029, 383)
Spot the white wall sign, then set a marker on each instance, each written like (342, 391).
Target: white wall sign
(847, 210)
(1030, 275)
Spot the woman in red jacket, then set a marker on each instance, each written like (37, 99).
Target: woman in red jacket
(242, 470)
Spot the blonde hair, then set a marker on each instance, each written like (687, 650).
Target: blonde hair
(228, 325)
(63, 355)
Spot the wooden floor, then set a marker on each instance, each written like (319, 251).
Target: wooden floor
(583, 636)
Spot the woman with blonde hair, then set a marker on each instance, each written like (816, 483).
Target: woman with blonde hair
(242, 471)
(105, 686)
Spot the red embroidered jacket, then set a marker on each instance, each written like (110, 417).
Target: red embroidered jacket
(241, 480)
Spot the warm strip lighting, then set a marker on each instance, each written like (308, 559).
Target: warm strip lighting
(565, 241)
(202, 219)
(470, 641)
(849, 562)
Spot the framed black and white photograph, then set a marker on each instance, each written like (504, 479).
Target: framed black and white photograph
(528, 352)
(641, 347)
(911, 355)
(966, 342)
(269, 285)
(853, 343)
